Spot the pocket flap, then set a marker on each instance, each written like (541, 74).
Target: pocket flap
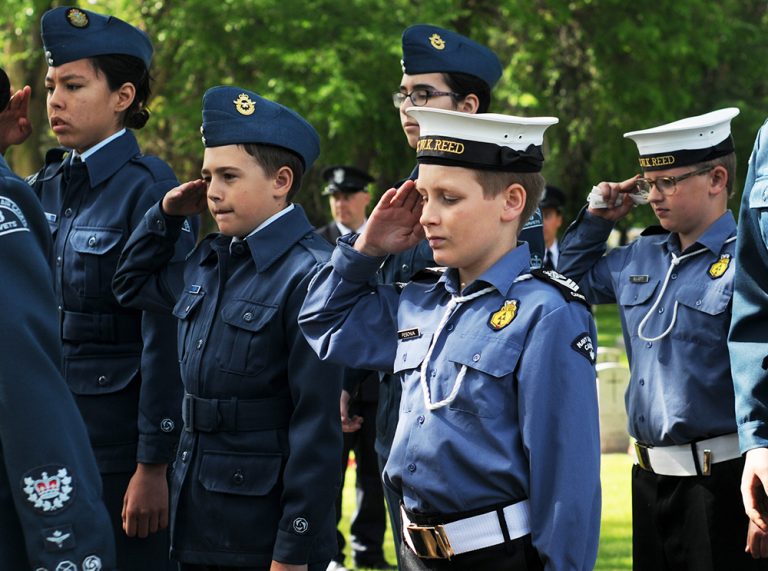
(637, 293)
(187, 304)
(239, 473)
(248, 315)
(411, 352)
(95, 240)
(100, 374)
(491, 355)
(712, 301)
(758, 196)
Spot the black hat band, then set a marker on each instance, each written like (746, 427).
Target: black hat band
(478, 155)
(685, 157)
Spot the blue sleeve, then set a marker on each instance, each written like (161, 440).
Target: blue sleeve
(346, 317)
(748, 337)
(582, 257)
(559, 422)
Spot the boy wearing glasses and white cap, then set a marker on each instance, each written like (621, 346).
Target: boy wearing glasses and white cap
(674, 286)
(496, 455)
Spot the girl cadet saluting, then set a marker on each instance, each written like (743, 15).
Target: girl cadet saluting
(118, 362)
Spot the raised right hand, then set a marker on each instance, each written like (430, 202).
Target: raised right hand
(611, 191)
(186, 199)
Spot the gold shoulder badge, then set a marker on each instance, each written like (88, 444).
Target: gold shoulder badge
(77, 18)
(717, 269)
(504, 316)
(244, 105)
(437, 42)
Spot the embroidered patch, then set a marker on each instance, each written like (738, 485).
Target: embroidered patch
(583, 346)
(536, 262)
(92, 563)
(404, 334)
(639, 279)
(59, 538)
(49, 489)
(717, 269)
(11, 217)
(567, 286)
(186, 227)
(505, 315)
(66, 566)
(167, 425)
(300, 525)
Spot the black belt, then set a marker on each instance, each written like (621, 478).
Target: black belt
(235, 415)
(100, 327)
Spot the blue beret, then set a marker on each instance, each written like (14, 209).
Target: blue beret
(429, 49)
(236, 116)
(71, 34)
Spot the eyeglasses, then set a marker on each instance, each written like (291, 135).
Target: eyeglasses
(667, 185)
(418, 97)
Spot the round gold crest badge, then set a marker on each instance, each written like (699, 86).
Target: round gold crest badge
(437, 42)
(244, 104)
(77, 18)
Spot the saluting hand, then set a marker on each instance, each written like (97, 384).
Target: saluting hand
(15, 127)
(186, 199)
(394, 224)
(611, 191)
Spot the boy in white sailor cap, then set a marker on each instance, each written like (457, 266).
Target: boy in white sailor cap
(496, 454)
(674, 286)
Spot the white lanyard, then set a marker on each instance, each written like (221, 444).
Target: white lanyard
(675, 262)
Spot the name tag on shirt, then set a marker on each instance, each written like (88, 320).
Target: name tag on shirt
(405, 334)
(638, 279)
(51, 217)
(195, 289)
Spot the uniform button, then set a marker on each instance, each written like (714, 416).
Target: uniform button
(68, 212)
(184, 456)
(405, 356)
(59, 308)
(673, 276)
(661, 310)
(248, 316)
(642, 418)
(635, 296)
(450, 327)
(649, 344)
(159, 224)
(434, 373)
(476, 357)
(58, 260)
(698, 302)
(199, 344)
(103, 380)
(238, 477)
(405, 267)
(411, 467)
(642, 382)
(420, 420)
(92, 241)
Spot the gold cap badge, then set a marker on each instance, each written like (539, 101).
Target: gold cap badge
(504, 316)
(77, 18)
(717, 269)
(437, 42)
(244, 104)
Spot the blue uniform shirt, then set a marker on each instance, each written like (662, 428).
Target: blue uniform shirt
(680, 388)
(263, 486)
(520, 426)
(50, 490)
(748, 341)
(118, 362)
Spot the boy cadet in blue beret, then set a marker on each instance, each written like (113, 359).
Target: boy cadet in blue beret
(94, 190)
(496, 455)
(674, 286)
(257, 468)
(51, 511)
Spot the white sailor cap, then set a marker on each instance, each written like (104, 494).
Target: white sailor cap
(485, 141)
(687, 141)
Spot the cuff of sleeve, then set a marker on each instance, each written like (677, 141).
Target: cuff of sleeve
(156, 449)
(352, 265)
(162, 224)
(753, 434)
(291, 548)
(596, 224)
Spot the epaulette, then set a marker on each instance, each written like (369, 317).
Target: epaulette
(53, 159)
(566, 285)
(157, 167)
(654, 231)
(317, 246)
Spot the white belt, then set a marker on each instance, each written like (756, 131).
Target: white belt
(693, 459)
(443, 541)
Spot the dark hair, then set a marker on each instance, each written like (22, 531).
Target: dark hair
(729, 163)
(272, 159)
(495, 182)
(120, 69)
(464, 84)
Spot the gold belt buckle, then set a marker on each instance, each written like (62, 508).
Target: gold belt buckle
(431, 542)
(643, 459)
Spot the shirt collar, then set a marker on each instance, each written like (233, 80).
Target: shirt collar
(347, 230)
(110, 156)
(92, 151)
(269, 242)
(713, 237)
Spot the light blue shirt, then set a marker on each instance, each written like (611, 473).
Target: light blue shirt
(523, 423)
(680, 388)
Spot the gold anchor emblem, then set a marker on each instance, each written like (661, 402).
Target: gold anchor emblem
(437, 42)
(504, 316)
(717, 269)
(244, 104)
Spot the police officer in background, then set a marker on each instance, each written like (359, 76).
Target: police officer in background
(51, 512)
(551, 206)
(347, 190)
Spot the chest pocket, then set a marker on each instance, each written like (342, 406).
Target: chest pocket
(246, 344)
(184, 311)
(240, 474)
(93, 265)
(98, 375)
(707, 300)
(488, 360)
(758, 201)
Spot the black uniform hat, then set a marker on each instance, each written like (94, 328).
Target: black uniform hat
(553, 198)
(345, 179)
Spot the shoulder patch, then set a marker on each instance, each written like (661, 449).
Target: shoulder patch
(654, 231)
(584, 346)
(48, 488)
(567, 286)
(428, 274)
(11, 217)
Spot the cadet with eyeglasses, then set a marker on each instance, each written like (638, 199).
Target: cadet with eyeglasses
(674, 286)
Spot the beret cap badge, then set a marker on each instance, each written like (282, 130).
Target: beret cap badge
(437, 42)
(77, 18)
(244, 104)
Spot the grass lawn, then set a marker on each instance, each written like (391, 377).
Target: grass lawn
(615, 551)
